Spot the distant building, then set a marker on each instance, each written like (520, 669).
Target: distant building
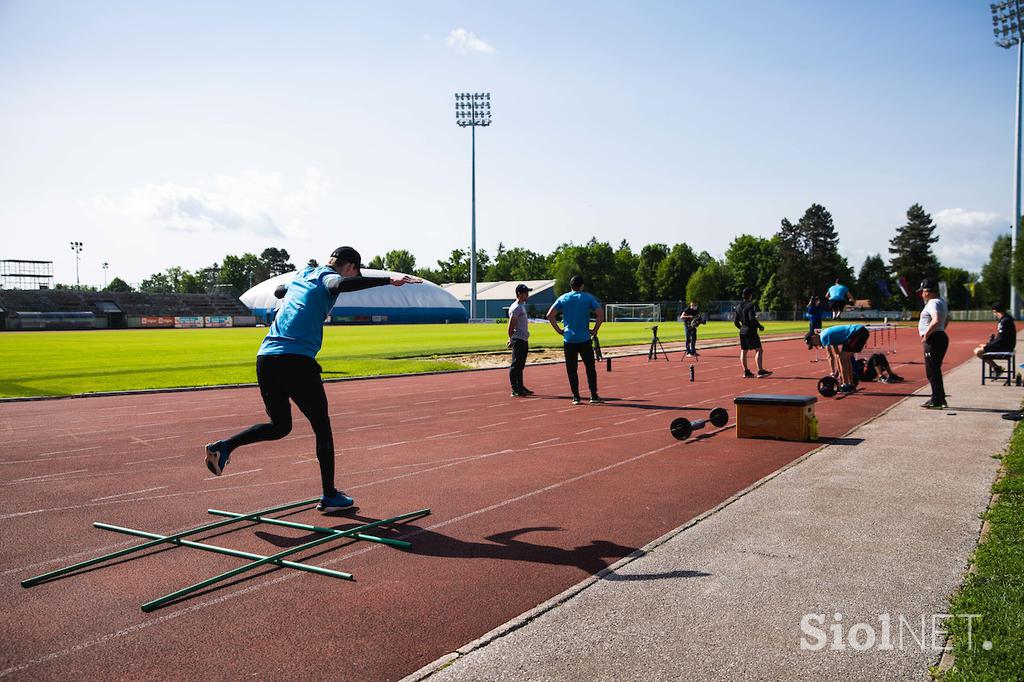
(494, 298)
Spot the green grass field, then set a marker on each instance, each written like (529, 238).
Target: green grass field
(65, 363)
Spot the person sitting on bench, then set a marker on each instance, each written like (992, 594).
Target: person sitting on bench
(1003, 341)
(875, 368)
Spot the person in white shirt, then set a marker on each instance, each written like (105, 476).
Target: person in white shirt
(518, 340)
(932, 328)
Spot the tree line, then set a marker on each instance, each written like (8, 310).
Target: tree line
(802, 258)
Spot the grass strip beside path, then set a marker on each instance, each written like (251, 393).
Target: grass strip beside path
(995, 590)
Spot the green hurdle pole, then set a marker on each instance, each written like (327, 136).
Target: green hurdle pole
(146, 545)
(226, 550)
(157, 603)
(402, 544)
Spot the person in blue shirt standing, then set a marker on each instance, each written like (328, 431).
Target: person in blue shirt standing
(577, 336)
(814, 312)
(842, 342)
(287, 370)
(838, 296)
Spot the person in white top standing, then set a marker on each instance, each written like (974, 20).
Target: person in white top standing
(932, 328)
(518, 340)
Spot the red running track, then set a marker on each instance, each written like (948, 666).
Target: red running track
(529, 496)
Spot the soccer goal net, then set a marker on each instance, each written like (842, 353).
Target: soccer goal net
(632, 312)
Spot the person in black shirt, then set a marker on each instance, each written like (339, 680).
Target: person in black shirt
(692, 319)
(1003, 341)
(745, 319)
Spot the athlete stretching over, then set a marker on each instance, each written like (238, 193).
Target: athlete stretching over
(286, 365)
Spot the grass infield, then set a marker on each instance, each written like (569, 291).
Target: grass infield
(65, 363)
(996, 590)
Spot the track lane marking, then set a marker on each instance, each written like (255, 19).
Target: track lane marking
(134, 492)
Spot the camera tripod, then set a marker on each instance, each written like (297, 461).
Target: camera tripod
(652, 352)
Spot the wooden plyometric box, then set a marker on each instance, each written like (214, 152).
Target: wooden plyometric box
(785, 417)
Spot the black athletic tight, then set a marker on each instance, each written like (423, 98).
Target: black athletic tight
(585, 352)
(297, 378)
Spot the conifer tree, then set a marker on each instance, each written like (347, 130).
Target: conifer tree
(911, 248)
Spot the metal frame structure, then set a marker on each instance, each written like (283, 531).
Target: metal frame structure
(473, 109)
(26, 274)
(256, 560)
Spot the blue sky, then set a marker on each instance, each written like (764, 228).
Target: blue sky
(165, 134)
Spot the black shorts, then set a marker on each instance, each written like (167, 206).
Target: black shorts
(837, 305)
(855, 343)
(749, 340)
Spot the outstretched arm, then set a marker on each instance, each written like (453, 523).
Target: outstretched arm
(336, 286)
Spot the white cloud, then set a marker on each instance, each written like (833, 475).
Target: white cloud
(466, 41)
(965, 237)
(250, 202)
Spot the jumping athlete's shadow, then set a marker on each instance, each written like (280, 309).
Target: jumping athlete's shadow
(591, 558)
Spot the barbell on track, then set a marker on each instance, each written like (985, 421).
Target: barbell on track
(682, 427)
(829, 386)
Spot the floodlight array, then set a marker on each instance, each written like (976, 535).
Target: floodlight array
(1007, 22)
(473, 108)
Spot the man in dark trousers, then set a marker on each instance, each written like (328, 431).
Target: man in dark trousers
(518, 340)
(692, 319)
(745, 319)
(1003, 341)
(932, 328)
(287, 370)
(577, 335)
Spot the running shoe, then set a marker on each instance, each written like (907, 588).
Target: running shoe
(763, 373)
(525, 391)
(596, 400)
(934, 406)
(517, 394)
(747, 374)
(576, 400)
(217, 457)
(847, 388)
(335, 502)
(895, 378)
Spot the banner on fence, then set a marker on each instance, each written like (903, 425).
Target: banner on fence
(218, 320)
(188, 322)
(244, 320)
(156, 321)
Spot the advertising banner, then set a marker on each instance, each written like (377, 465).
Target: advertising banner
(156, 321)
(188, 322)
(218, 320)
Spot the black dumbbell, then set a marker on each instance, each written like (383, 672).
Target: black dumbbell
(829, 386)
(682, 427)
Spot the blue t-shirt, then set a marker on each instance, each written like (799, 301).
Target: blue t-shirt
(576, 307)
(814, 315)
(838, 335)
(837, 292)
(298, 328)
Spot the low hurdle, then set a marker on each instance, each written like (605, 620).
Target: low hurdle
(256, 560)
(883, 338)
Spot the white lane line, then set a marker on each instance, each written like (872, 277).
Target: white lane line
(360, 428)
(541, 442)
(655, 414)
(487, 426)
(387, 445)
(64, 452)
(580, 433)
(441, 435)
(155, 459)
(37, 478)
(134, 492)
(468, 409)
(146, 414)
(237, 473)
(535, 416)
(412, 419)
(427, 402)
(625, 421)
(146, 441)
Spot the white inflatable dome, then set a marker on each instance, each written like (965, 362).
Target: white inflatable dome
(409, 303)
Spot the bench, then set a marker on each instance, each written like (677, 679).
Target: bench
(999, 357)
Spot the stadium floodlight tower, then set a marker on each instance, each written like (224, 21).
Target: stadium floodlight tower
(1008, 28)
(473, 109)
(105, 266)
(77, 248)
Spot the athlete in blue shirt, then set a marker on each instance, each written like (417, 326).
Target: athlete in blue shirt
(841, 341)
(286, 365)
(577, 335)
(838, 296)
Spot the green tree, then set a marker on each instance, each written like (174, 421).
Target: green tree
(791, 279)
(118, 284)
(772, 296)
(623, 285)
(647, 270)
(240, 272)
(595, 261)
(875, 284)
(517, 264)
(674, 271)
(157, 283)
(709, 283)
(429, 274)
(400, 260)
(956, 280)
(751, 262)
(910, 250)
(995, 275)
(273, 262)
(376, 263)
(824, 262)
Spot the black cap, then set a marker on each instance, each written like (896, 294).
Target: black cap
(998, 306)
(576, 282)
(748, 292)
(808, 339)
(523, 288)
(928, 284)
(346, 254)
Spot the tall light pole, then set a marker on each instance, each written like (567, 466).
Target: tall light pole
(77, 248)
(105, 266)
(473, 109)
(1008, 27)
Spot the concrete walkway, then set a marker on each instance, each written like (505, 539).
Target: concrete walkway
(883, 522)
